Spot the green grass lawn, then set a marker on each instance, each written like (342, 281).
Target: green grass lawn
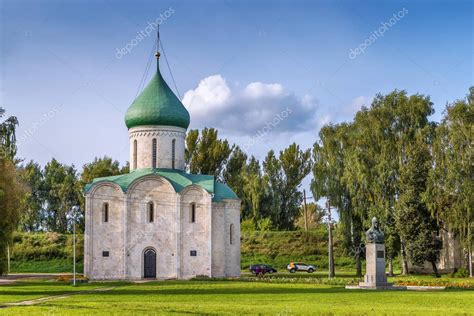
(45, 266)
(32, 289)
(230, 297)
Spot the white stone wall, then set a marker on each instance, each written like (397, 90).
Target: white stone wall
(196, 236)
(159, 235)
(232, 257)
(104, 236)
(219, 240)
(164, 136)
(128, 232)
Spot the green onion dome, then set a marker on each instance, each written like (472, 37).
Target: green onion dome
(157, 105)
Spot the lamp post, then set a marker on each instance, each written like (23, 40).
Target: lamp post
(74, 216)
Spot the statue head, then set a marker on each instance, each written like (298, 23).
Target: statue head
(375, 223)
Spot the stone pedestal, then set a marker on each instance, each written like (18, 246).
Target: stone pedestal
(375, 267)
(375, 278)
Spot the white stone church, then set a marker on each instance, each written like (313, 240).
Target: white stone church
(159, 221)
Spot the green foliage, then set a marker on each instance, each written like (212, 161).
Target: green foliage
(280, 248)
(415, 225)
(450, 188)
(8, 136)
(284, 175)
(315, 216)
(330, 156)
(358, 165)
(271, 198)
(62, 191)
(45, 246)
(46, 266)
(101, 167)
(247, 225)
(10, 203)
(32, 215)
(206, 153)
(460, 273)
(12, 192)
(264, 224)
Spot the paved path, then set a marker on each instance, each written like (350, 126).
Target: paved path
(54, 297)
(12, 278)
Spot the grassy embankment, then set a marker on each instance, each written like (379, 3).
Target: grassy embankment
(52, 252)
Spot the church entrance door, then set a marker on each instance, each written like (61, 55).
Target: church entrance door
(150, 264)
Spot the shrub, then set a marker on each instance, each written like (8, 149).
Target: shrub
(460, 273)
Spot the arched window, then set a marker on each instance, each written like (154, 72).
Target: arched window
(150, 212)
(153, 153)
(231, 234)
(173, 150)
(135, 154)
(193, 213)
(105, 212)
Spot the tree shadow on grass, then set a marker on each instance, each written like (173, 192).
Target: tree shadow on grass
(227, 291)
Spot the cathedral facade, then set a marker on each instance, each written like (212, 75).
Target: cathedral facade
(158, 221)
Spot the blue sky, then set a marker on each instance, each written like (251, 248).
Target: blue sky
(238, 65)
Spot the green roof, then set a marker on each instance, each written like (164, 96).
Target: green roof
(157, 105)
(178, 179)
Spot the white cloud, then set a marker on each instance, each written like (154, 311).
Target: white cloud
(257, 90)
(246, 110)
(212, 92)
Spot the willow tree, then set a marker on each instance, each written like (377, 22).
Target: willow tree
(11, 191)
(450, 192)
(379, 137)
(284, 176)
(7, 136)
(329, 155)
(418, 228)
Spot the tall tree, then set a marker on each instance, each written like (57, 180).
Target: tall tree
(284, 176)
(315, 215)
(450, 192)
(11, 190)
(254, 192)
(206, 153)
(61, 193)
(328, 170)
(101, 167)
(233, 173)
(32, 218)
(7, 136)
(381, 135)
(416, 225)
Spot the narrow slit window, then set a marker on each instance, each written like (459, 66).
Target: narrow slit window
(105, 212)
(193, 213)
(151, 212)
(173, 152)
(135, 154)
(153, 153)
(231, 234)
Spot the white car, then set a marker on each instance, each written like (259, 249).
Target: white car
(299, 266)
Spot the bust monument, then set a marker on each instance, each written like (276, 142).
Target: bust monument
(375, 258)
(375, 278)
(374, 235)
